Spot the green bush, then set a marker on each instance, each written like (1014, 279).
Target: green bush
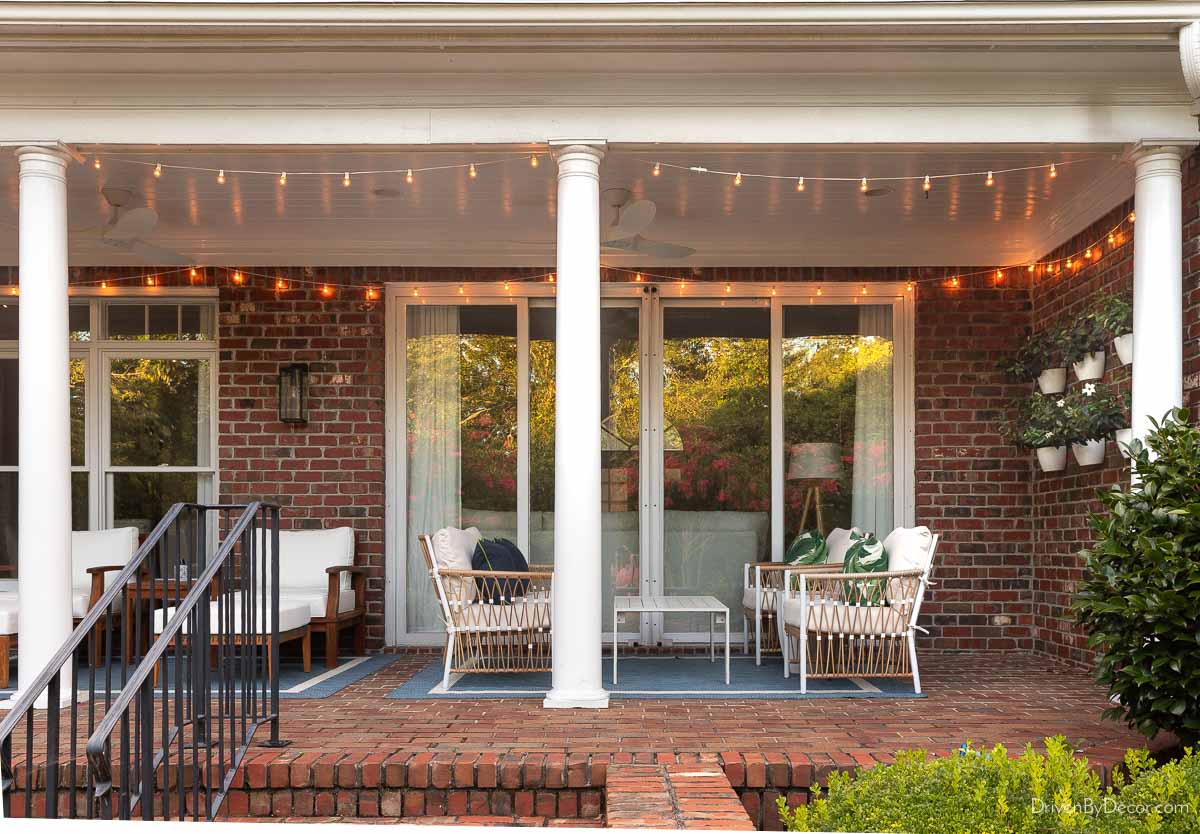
(986, 792)
(1140, 598)
(1040, 351)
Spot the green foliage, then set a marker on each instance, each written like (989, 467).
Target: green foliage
(1113, 314)
(1092, 414)
(1077, 340)
(987, 792)
(1140, 599)
(1041, 420)
(1040, 351)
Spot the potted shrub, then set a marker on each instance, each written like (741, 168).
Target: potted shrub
(1091, 417)
(1083, 348)
(1037, 360)
(1041, 425)
(1114, 315)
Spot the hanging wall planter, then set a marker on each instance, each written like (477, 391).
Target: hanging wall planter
(1091, 366)
(1090, 452)
(1124, 346)
(1052, 381)
(1124, 438)
(1052, 458)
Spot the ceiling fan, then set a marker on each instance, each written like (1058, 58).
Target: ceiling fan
(129, 227)
(627, 220)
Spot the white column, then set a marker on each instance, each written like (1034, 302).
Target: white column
(1157, 284)
(44, 482)
(577, 571)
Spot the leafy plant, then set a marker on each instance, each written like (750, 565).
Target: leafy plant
(1113, 314)
(1092, 414)
(1039, 352)
(986, 792)
(1140, 599)
(1079, 339)
(1041, 421)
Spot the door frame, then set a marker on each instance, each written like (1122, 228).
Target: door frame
(653, 295)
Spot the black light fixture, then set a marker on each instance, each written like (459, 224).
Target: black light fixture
(293, 393)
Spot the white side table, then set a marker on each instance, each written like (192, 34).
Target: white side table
(675, 605)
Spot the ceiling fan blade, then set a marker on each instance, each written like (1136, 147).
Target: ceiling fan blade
(633, 218)
(662, 249)
(627, 244)
(157, 255)
(132, 224)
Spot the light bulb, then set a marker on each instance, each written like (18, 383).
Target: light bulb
(280, 284)
(327, 291)
(471, 171)
(1053, 171)
(372, 294)
(657, 170)
(862, 186)
(820, 291)
(149, 280)
(774, 291)
(551, 278)
(158, 169)
(863, 291)
(638, 277)
(990, 179)
(954, 281)
(96, 163)
(999, 275)
(738, 179)
(1087, 253)
(238, 278)
(14, 290)
(103, 285)
(1031, 267)
(346, 179)
(193, 273)
(728, 289)
(1111, 239)
(800, 184)
(414, 292)
(533, 161)
(1132, 216)
(927, 185)
(506, 286)
(283, 177)
(221, 177)
(1069, 263)
(461, 290)
(909, 286)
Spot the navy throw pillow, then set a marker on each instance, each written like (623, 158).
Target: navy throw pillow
(501, 555)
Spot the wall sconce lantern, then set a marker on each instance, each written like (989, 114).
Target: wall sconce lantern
(293, 393)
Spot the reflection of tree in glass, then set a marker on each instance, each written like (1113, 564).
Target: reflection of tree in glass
(488, 421)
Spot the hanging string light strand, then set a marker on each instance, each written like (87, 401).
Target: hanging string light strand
(161, 168)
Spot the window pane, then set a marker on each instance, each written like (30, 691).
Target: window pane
(462, 431)
(620, 378)
(78, 371)
(141, 499)
(79, 320)
(8, 521)
(717, 452)
(9, 420)
(163, 319)
(154, 322)
(159, 412)
(9, 328)
(838, 418)
(79, 501)
(194, 321)
(126, 321)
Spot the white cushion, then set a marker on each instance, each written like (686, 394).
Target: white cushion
(523, 615)
(94, 548)
(866, 619)
(837, 543)
(908, 548)
(305, 554)
(768, 599)
(291, 616)
(315, 600)
(452, 550)
(9, 611)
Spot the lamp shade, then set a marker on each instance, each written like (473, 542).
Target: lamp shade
(814, 461)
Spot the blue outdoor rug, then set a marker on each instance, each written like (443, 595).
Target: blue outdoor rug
(660, 677)
(294, 682)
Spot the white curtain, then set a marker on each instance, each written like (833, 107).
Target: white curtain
(434, 462)
(872, 503)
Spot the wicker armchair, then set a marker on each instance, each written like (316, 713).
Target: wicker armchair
(841, 625)
(496, 621)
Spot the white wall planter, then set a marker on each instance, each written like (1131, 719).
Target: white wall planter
(1052, 381)
(1052, 458)
(1124, 346)
(1124, 438)
(1089, 453)
(1090, 367)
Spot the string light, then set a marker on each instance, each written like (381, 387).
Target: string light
(414, 292)
(461, 290)
(408, 178)
(506, 286)
(800, 184)
(774, 291)
(927, 186)
(909, 286)
(990, 181)
(1132, 216)
(238, 279)
(1031, 267)
(471, 171)
(533, 161)
(14, 290)
(158, 170)
(149, 280)
(1053, 171)
(283, 177)
(550, 279)
(638, 277)
(1112, 240)
(103, 285)
(96, 163)
(738, 179)
(326, 291)
(863, 291)
(657, 170)
(346, 179)
(820, 291)
(1087, 253)
(372, 294)
(280, 284)
(728, 289)
(954, 281)
(999, 276)
(193, 273)
(221, 177)
(862, 186)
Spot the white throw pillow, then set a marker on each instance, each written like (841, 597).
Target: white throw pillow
(908, 548)
(838, 542)
(452, 550)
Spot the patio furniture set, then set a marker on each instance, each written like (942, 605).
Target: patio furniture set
(828, 623)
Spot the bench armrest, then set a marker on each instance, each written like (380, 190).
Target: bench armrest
(358, 583)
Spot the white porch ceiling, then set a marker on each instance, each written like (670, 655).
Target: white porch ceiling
(505, 217)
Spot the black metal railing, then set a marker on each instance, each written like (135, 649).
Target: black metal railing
(163, 729)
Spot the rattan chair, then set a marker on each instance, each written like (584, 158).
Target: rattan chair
(496, 621)
(842, 625)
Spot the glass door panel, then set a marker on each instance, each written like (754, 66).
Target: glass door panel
(839, 421)
(716, 452)
(620, 432)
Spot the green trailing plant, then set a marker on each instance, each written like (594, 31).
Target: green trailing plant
(1039, 352)
(1041, 420)
(1140, 598)
(1079, 339)
(1113, 314)
(987, 792)
(1092, 413)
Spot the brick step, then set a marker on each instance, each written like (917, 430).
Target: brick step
(690, 795)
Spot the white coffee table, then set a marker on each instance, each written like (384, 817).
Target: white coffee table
(675, 605)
